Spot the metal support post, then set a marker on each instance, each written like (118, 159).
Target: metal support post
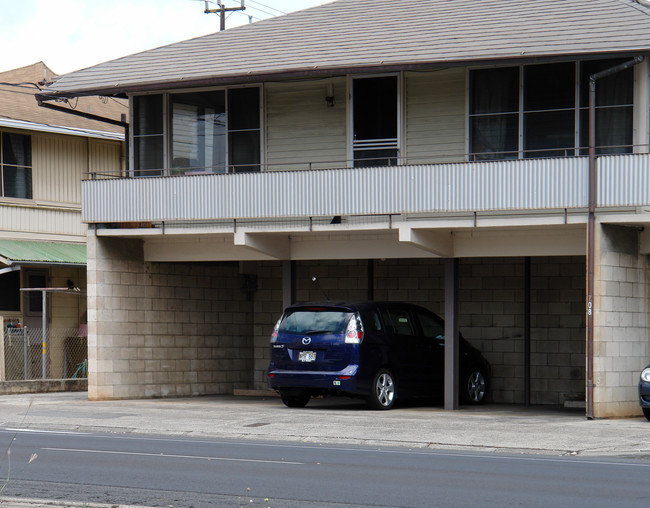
(288, 283)
(44, 334)
(527, 331)
(452, 341)
(25, 349)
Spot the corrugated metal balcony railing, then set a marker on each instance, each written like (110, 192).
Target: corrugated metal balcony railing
(539, 184)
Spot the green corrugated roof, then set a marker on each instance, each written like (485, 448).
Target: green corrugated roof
(17, 251)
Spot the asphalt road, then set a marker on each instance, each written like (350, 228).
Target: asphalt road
(165, 471)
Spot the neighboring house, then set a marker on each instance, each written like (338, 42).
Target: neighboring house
(394, 150)
(43, 156)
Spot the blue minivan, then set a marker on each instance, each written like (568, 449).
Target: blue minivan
(374, 350)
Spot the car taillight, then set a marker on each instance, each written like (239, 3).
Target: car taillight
(354, 332)
(274, 335)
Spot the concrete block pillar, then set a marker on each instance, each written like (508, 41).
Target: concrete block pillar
(621, 320)
(113, 266)
(164, 329)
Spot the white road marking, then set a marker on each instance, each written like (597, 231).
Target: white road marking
(165, 455)
(36, 431)
(531, 457)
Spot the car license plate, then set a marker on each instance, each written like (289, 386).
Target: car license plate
(307, 356)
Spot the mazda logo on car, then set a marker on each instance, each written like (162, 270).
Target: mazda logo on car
(306, 340)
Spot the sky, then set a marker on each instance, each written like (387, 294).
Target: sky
(68, 35)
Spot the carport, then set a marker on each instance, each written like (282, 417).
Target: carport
(199, 324)
(561, 355)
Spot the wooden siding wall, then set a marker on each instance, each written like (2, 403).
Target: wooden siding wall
(435, 116)
(106, 157)
(301, 128)
(58, 165)
(41, 223)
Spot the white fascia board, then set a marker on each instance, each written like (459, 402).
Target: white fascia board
(55, 129)
(13, 268)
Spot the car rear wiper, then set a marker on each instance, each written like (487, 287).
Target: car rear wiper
(314, 332)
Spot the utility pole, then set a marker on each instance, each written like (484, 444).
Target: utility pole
(222, 11)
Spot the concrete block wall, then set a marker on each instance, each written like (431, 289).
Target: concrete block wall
(492, 318)
(268, 309)
(419, 281)
(164, 329)
(558, 364)
(338, 280)
(491, 297)
(621, 320)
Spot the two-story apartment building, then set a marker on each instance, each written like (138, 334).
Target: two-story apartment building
(431, 151)
(43, 155)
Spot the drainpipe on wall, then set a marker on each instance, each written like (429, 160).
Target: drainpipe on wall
(591, 227)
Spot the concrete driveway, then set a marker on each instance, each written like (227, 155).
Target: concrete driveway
(499, 428)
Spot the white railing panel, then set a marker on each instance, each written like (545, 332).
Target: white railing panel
(435, 188)
(624, 180)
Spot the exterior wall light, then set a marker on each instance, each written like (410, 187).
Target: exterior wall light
(329, 98)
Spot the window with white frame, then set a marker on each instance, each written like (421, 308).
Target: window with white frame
(542, 110)
(215, 131)
(15, 165)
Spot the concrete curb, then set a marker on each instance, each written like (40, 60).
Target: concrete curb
(43, 386)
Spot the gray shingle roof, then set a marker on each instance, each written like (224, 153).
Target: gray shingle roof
(18, 109)
(365, 34)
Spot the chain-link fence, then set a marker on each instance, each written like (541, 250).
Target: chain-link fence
(26, 354)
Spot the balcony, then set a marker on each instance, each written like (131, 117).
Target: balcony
(512, 186)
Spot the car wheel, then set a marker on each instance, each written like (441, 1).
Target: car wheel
(474, 388)
(646, 413)
(384, 391)
(293, 399)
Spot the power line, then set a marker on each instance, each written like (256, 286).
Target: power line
(221, 8)
(266, 6)
(256, 8)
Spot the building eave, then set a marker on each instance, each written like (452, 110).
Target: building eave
(119, 90)
(10, 123)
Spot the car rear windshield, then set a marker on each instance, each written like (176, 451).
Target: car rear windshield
(311, 321)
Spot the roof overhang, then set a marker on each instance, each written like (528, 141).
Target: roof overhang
(119, 90)
(17, 253)
(55, 129)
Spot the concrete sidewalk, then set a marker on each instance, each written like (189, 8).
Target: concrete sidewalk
(507, 429)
